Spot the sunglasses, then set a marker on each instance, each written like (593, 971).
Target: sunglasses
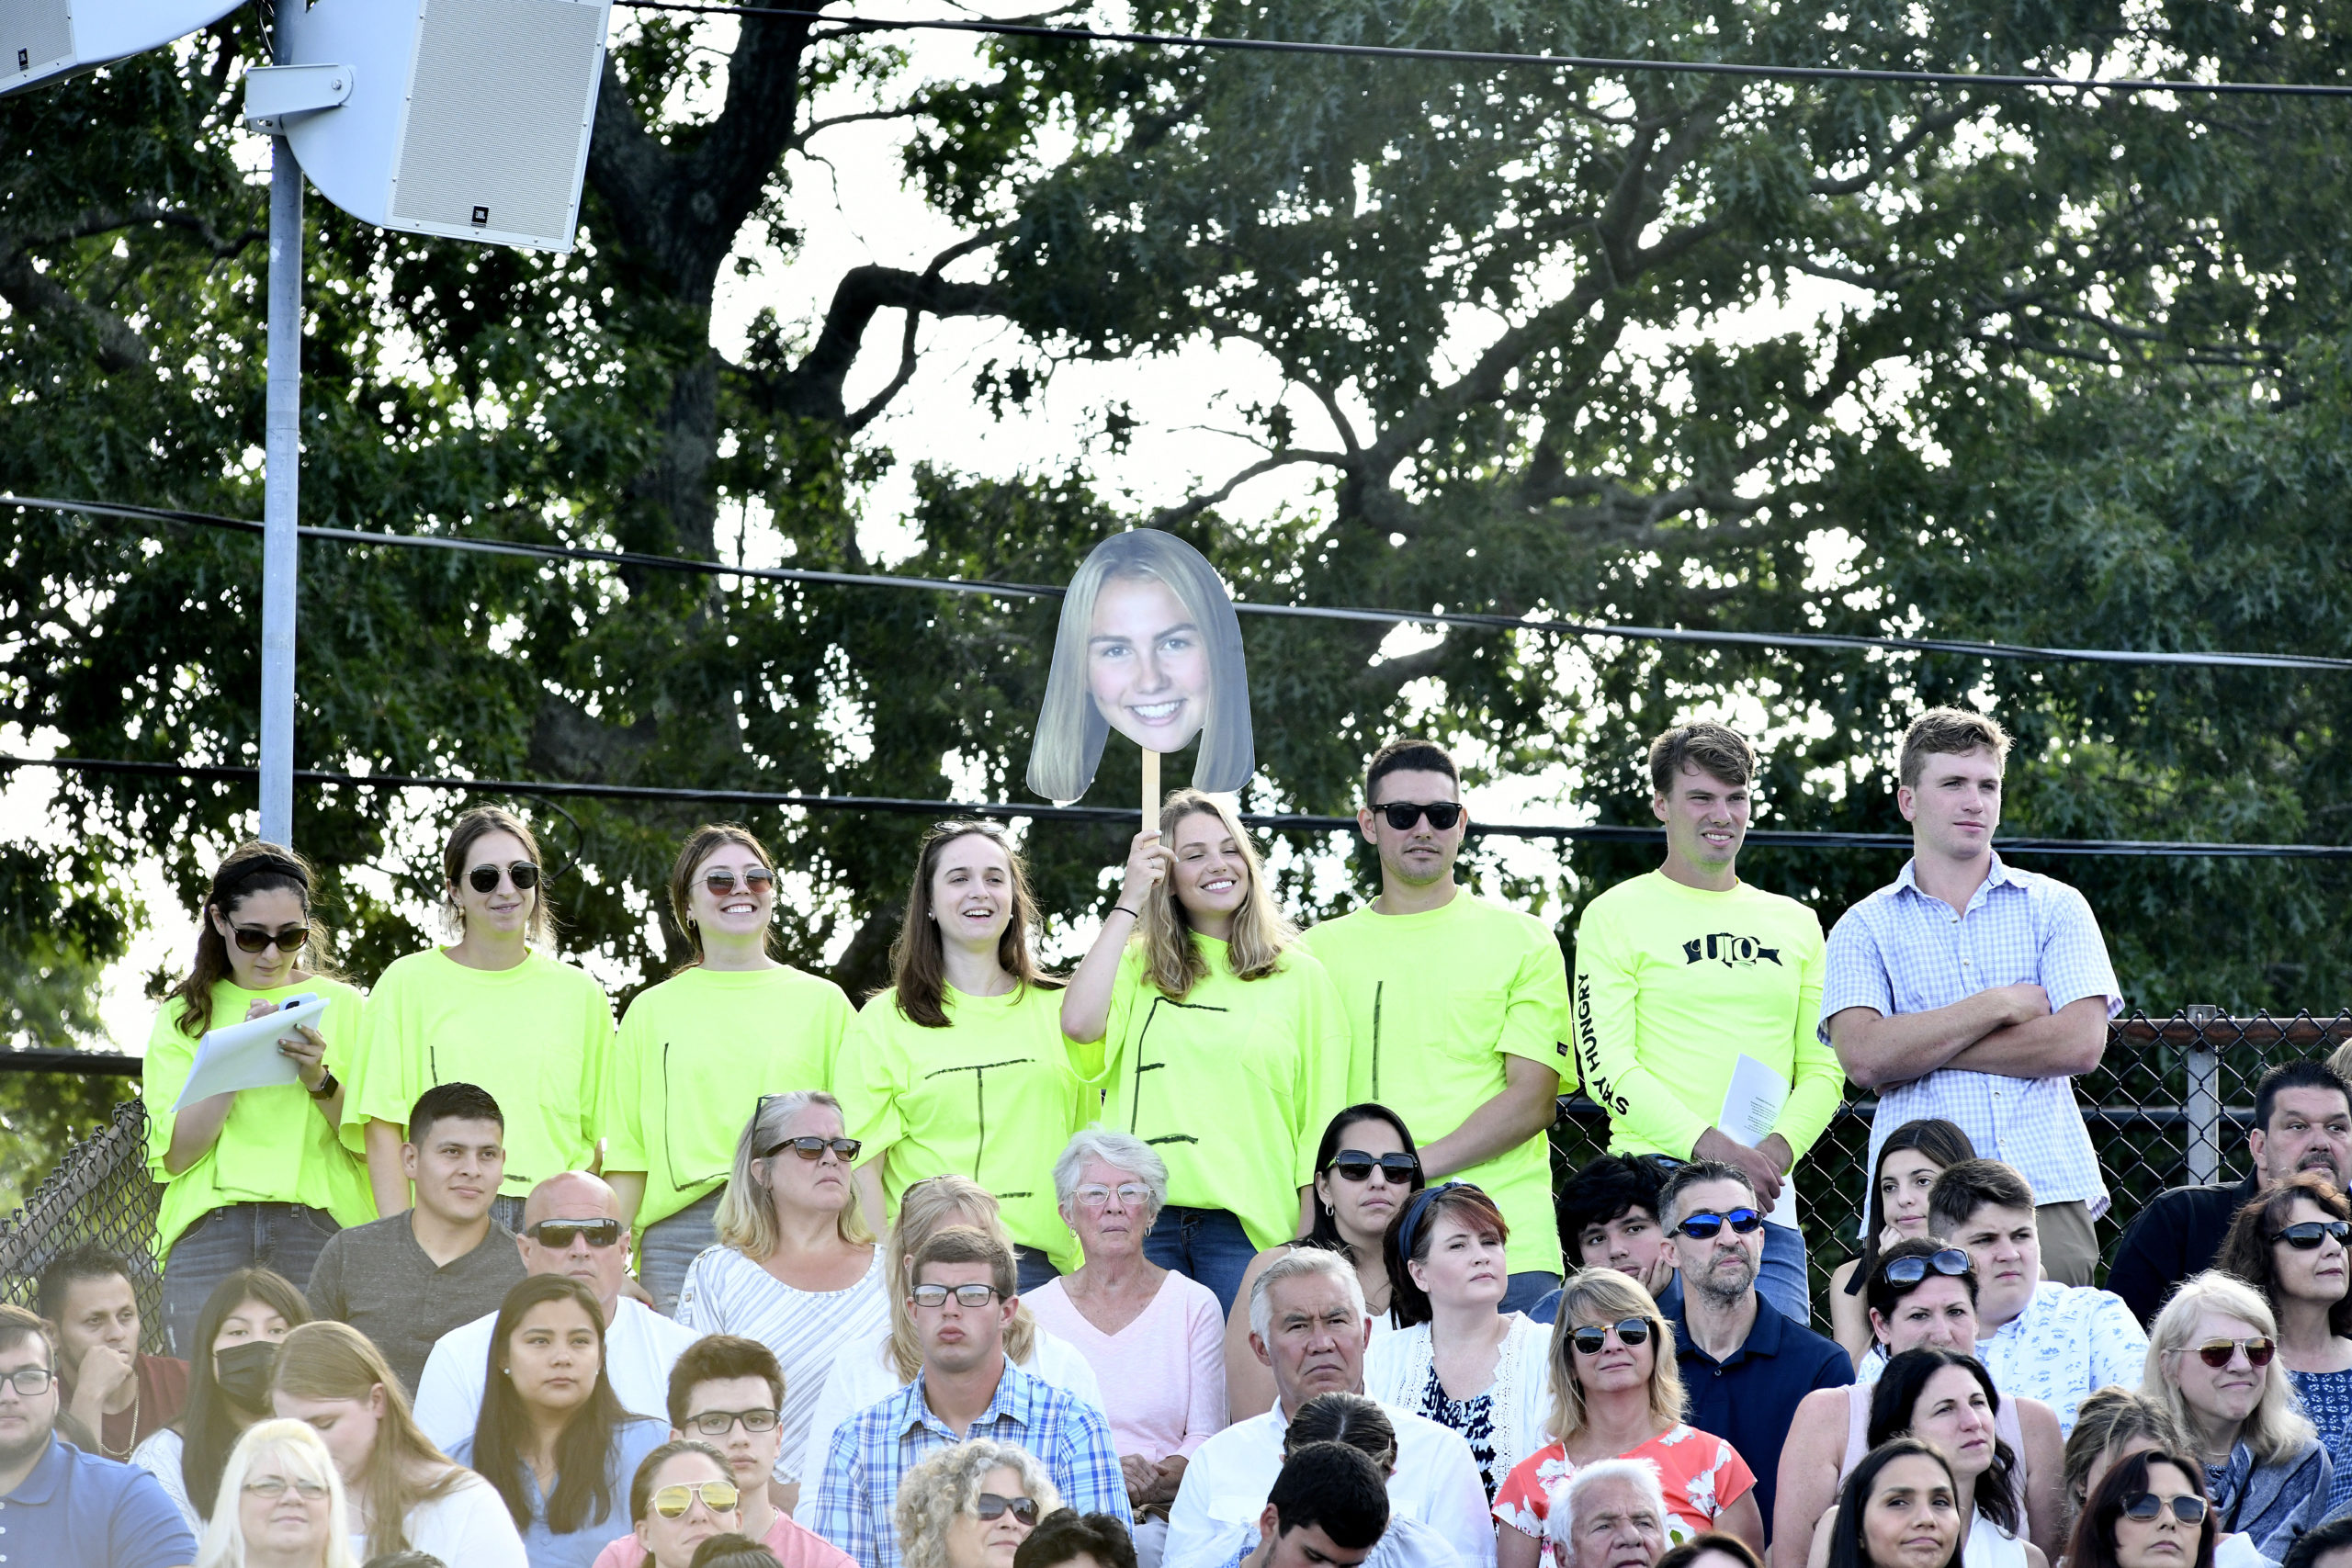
(718, 1422)
(2307, 1235)
(719, 1496)
(1354, 1165)
(484, 878)
(756, 879)
(560, 1233)
(974, 1295)
(1703, 1227)
(1951, 1261)
(991, 1507)
(1403, 814)
(2188, 1508)
(815, 1147)
(275, 1486)
(2216, 1353)
(1590, 1339)
(252, 939)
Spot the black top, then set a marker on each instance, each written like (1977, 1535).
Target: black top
(2178, 1234)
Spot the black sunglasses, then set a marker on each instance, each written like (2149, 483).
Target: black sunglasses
(252, 939)
(1951, 1262)
(1704, 1227)
(484, 878)
(2188, 1508)
(814, 1148)
(991, 1507)
(1403, 814)
(2306, 1236)
(1590, 1339)
(1354, 1165)
(560, 1233)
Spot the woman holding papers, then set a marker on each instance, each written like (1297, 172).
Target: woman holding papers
(491, 1011)
(252, 1176)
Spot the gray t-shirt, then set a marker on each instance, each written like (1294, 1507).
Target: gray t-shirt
(375, 1277)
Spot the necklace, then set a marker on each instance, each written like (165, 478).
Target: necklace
(101, 1433)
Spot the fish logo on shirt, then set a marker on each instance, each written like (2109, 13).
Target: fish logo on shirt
(1724, 948)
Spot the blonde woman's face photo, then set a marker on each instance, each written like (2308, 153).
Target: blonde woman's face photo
(1147, 664)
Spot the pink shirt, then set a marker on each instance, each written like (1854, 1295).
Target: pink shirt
(1152, 1412)
(793, 1546)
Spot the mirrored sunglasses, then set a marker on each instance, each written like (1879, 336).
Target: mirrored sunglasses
(1951, 1262)
(2306, 1236)
(2188, 1508)
(2216, 1353)
(1703, 1227)
(1590, 1339)
(719, 1496)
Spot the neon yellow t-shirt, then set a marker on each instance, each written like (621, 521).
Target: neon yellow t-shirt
(539, 1037)
(693, 1056)
(1232, 1085)
(1674, 985)
(273, 1145)
(992, 1096)
(1437, 1002)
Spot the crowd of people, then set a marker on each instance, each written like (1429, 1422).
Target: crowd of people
(1237, 1244)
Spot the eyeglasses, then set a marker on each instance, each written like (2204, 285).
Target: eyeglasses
(718, 1422)
(274, 1486)
(1703, 1227)
(1590, 1339)
(814, 1148)
(1354, 1165)
(484, 878)
(2216, 1353)
(2307, 1235)
(1403, 814)
(756, 879)
(2188, 1508)
(1094, 1195)
(719, 1496)
(30, 1381)
(974, 1295)
(560, 1233)
(252, 939)
(991, 1507)
(1951, 1261)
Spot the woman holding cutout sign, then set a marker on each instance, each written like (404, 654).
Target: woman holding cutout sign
(254, 1176)
(1222, 1043)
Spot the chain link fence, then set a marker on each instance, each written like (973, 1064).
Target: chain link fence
(100, 1194)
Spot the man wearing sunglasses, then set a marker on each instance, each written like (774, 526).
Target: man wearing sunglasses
(1458, 1008)
(571, 1225)
(1697, 996)
(2302, 1120)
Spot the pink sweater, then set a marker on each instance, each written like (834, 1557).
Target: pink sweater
(793, 1547)
(1153, 1411)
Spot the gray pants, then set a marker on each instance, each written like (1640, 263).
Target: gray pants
(284, 1238)
(670, 1245)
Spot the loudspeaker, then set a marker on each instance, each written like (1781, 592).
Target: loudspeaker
(465, 117)
(41, 39)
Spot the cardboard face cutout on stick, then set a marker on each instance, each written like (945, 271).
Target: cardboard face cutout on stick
(1148, 646)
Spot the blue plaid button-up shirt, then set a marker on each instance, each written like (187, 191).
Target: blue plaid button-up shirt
(1902, 951)
(873, 1449)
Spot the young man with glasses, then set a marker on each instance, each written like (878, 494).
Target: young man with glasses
(960, 1294)
(1458, 1008)
(407, 1280)
(1698, 997)
(571, 1225)
(61, 1507)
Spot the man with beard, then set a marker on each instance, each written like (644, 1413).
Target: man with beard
(1745, 1367)
(2302, 1120)
(66, 1509)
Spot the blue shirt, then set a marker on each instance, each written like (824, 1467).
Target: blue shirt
(77, 1510)
(632, 1440)
(873, 1449)
(1749, 1398)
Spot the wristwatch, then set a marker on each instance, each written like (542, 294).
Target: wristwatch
(327, 1087)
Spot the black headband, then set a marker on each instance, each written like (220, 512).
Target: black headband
(233, 877)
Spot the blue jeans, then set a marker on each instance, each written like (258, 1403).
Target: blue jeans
(284, 1238)
(1522, 1291)
(1203, 1244)
(670, 1245)
(1783, 1280)
(1032, 1269)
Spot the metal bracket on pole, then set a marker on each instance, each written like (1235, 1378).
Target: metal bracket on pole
(275, 91)
(2201, 1105)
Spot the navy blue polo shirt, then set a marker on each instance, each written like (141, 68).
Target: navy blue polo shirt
(1750, 1398)
(77, 1510)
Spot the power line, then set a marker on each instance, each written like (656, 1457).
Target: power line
(1587, 629)
(1607, 833)
(1509, 58)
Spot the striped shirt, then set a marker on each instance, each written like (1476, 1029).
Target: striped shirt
(1901, 951)
(873, 1454)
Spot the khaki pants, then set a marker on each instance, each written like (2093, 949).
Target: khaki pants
(2069, 1244)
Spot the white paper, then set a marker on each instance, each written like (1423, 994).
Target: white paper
(1751, 1110)
(246, 1056)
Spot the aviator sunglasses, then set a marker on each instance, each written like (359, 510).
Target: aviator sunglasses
(2216, 1353)
(1588, 1340)
(1354, 1165)
(756, 879)
(2188, 1508)
(719, 1496)
(1703, 1227)
(484, 878)
(1403, 814)
(2306, 1236)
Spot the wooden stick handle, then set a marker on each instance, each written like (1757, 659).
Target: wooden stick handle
(1151, 789)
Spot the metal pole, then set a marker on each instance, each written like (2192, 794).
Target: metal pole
(2203, 1103)
(282, 411)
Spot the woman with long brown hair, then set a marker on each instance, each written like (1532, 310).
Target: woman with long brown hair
(1223, 1043)
(237, 1336)
(960, 1065)
(252, 1176)
(696, 1050)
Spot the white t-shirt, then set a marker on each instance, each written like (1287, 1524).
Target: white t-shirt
(159, 1456)
(469, 1528)
(640, 1346)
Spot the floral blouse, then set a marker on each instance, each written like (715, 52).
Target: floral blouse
(1701, 1474)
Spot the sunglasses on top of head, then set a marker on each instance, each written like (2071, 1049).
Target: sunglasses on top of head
(484, 878)
(2306, 1236)
(252, 939)
(1402, 814)
(1354, 1165)
(1704, 1226)
(1951, 1262)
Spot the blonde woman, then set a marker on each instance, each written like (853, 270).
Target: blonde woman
(1222, 1042)
(695, 1051)
(286, 1504)
(1617, 1393)
(403, 1495)
(971, 1506)
(2213, 1367)
(796, 1267)
(867, 1373)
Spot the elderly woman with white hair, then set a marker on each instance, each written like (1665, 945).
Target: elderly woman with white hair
(1155, 1339)
(2212, 1366)
(971, 1506)
(1610, 1514)
(289, 1509)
